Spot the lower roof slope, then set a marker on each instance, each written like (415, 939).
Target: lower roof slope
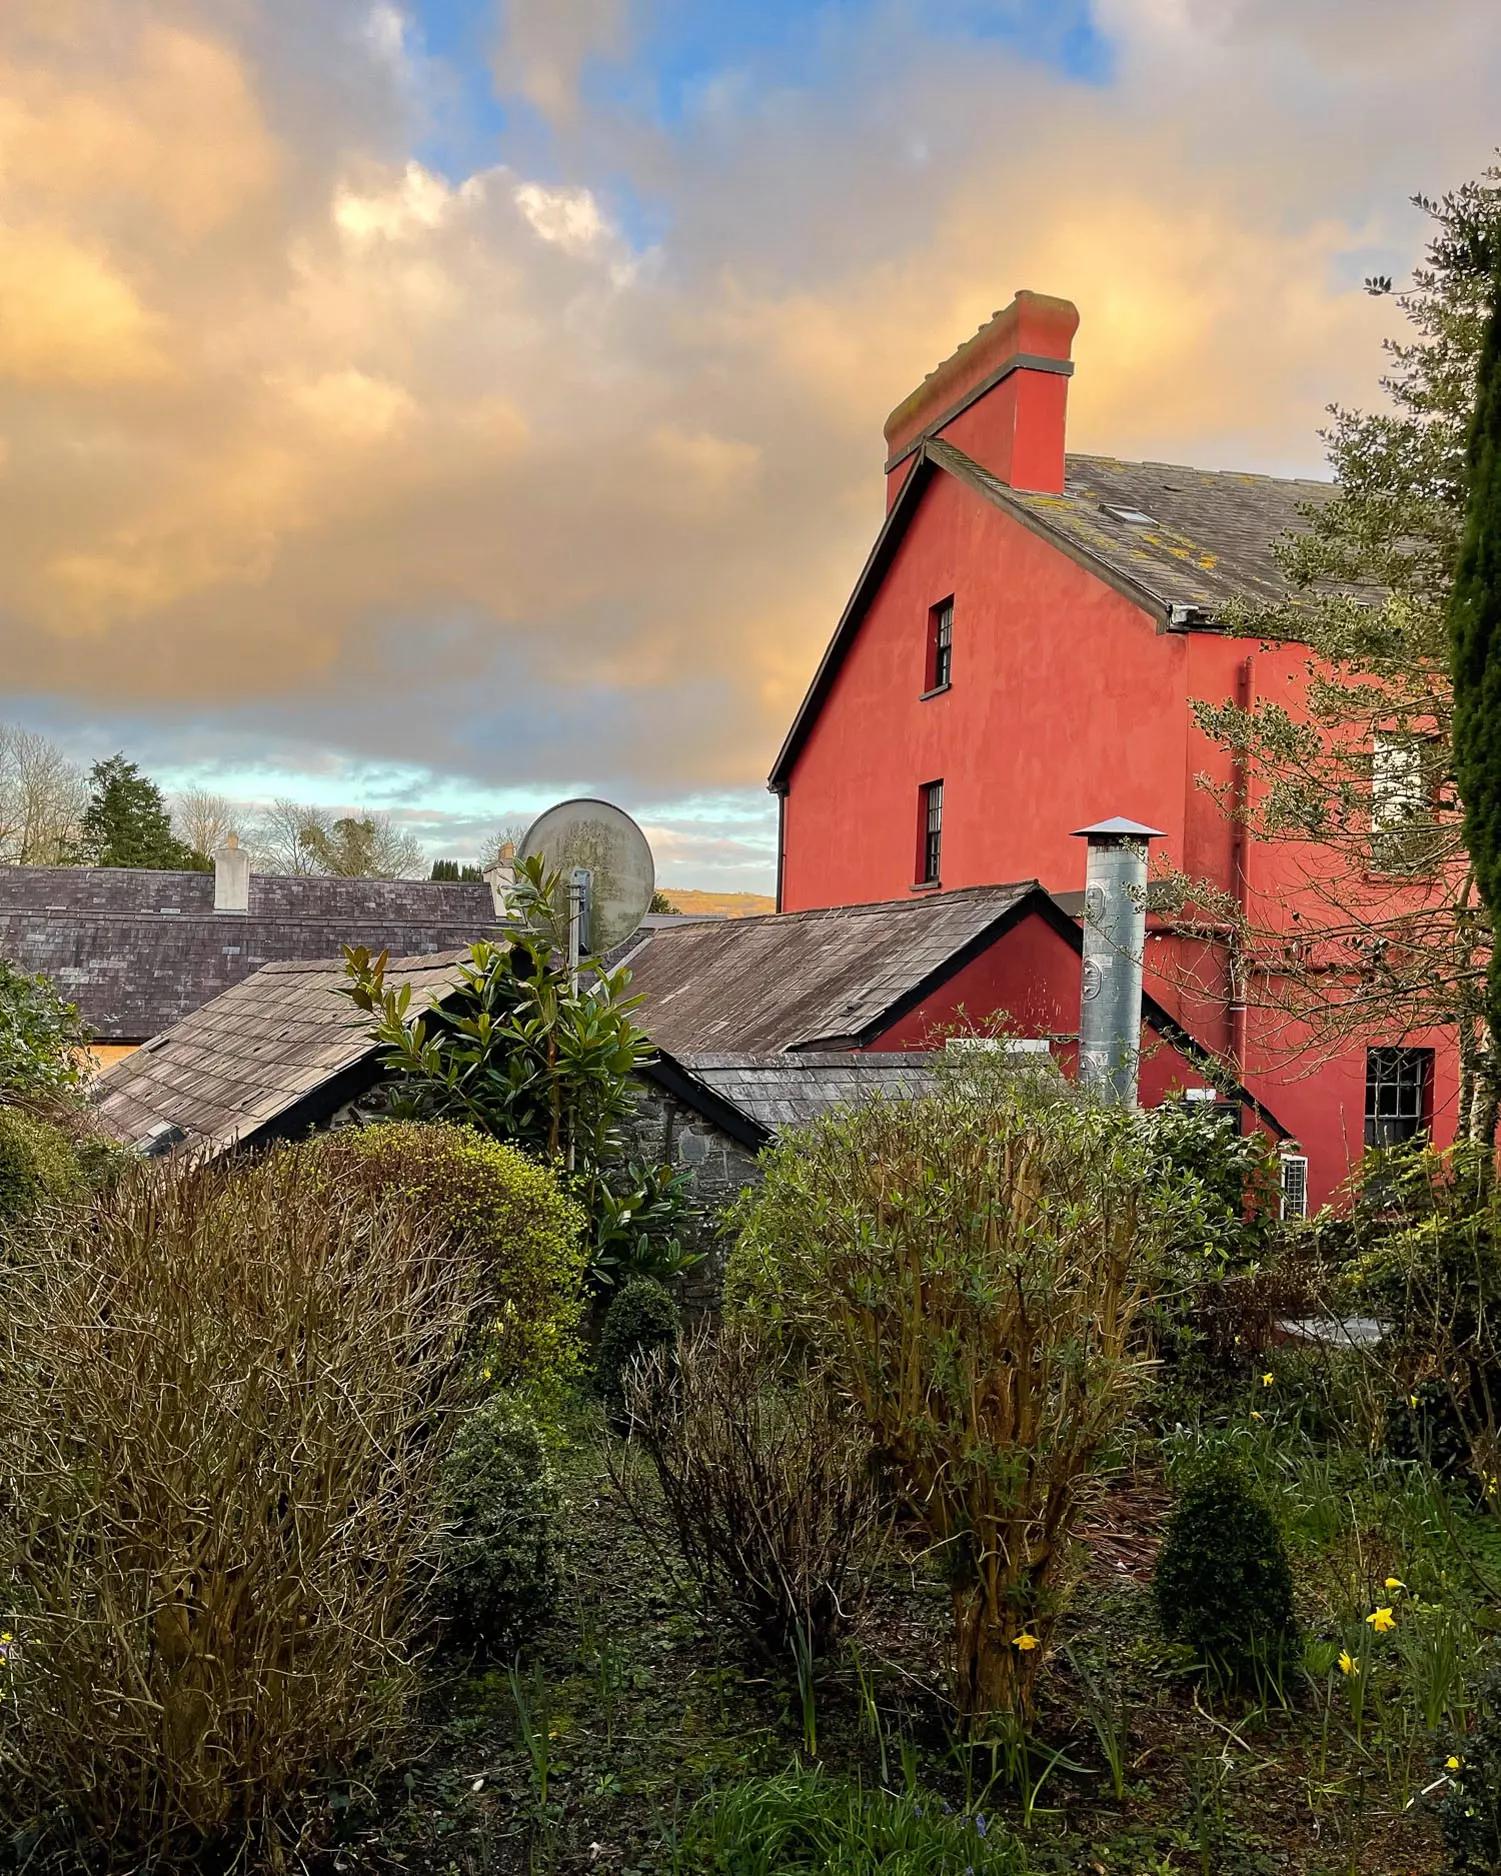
(778, 1091)
(792, 980)
(242, 1065)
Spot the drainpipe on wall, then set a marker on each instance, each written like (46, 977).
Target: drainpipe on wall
(1115, 933)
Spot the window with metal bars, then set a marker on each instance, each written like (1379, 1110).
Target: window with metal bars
(1398, 1095)
(929, 832)
(940, 671)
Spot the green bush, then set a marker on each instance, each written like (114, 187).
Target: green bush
(805, 1823)
(37, 1163)
(511, 1214)
(499, 1570)
(1470, 1808)
(43, 1040)
(643, 1317)
(1223, 1583)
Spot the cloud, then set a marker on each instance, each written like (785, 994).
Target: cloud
(556, 473)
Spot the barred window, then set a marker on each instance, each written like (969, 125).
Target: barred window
(1398, 1095)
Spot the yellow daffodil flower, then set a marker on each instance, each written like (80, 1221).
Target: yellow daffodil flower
(1254, 1414)
(1395, 1582)
(1381, 1620)
(1347, 1662)
(1026, 1643)
(1451, 1764)
(1268, 1379)
(1412, 1400)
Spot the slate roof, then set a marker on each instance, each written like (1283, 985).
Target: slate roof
(779, 1091)
(792, 980)
(137, 950)
(1211, 543)
(248, 1065)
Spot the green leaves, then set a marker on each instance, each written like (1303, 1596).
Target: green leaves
(42, 1039)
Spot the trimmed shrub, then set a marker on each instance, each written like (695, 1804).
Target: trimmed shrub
(642, 1318)
(1470, 1808)
(499, 1572)
(509, 1213)
(766, 1484)
(37, 1164)
(1223, 1583)
(225, 1400)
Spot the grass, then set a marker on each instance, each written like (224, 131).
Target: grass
(637, 1739)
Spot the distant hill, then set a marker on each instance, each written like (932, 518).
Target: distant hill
(732, 904)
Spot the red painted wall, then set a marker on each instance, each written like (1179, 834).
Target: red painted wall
(1067, 704)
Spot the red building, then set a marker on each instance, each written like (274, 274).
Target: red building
(1020, 658)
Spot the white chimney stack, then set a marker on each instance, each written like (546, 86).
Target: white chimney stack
(231, 877)
(500, 876)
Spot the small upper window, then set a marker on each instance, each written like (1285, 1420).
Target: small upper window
(940, 661)
(1398, 1095)
(929, 833)
(1402, 801)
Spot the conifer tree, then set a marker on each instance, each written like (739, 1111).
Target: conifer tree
(1475, 635)
(127, 824)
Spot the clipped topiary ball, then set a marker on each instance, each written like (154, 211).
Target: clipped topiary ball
(499, 1571)
(642, 1318)
(1223, 1583)
(37, 1164)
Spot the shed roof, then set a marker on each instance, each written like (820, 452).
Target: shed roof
(245, 1066)
(792, 980)
(778, 1091)
(139, 950)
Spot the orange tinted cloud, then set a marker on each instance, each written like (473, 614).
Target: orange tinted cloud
(458, 470)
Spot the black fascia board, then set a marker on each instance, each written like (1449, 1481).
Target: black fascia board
(673, 1078)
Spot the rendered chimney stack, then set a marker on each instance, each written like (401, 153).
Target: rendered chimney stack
(231, 876)
(1115, 931)
(1002, 398)
(500, 877)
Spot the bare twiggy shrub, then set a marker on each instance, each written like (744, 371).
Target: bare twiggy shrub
(224, 1399)
(967, 1267)
(766, 1483)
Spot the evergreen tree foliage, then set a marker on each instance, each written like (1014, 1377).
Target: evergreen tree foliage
(127, 823)
(1475, 632)
(1371, 577)
(456, 869)
(42, 1039)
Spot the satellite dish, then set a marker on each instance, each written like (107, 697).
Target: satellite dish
(606, 865)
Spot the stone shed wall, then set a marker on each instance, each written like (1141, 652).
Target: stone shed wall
(667, 1132)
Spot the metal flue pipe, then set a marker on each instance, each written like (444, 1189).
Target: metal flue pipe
(1115, 932)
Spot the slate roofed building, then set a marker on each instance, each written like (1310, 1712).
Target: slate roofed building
(139, 950)
(1022, 656)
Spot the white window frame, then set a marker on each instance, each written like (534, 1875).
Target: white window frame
(1294, 1204)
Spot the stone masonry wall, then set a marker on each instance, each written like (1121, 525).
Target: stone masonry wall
(667, 1132)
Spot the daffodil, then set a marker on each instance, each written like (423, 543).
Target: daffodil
(1347, 1662)
(1268, 1379)
(1254, 1414)
(1412, 1400)
(1395, 1582)
(1026, 1643)
(1381, 1620)
(1451, 1764)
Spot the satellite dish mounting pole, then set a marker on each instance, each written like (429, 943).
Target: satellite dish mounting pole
(580, 890)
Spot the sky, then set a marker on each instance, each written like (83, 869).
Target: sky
(447, 405)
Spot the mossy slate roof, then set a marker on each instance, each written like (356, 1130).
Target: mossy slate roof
(246, 1065)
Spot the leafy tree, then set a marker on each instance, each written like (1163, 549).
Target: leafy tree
(528, 1052)
(42, 1039)
(661, 903)
(293, 837)
(1475, 631)
(1371, 580)
(127, 824)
